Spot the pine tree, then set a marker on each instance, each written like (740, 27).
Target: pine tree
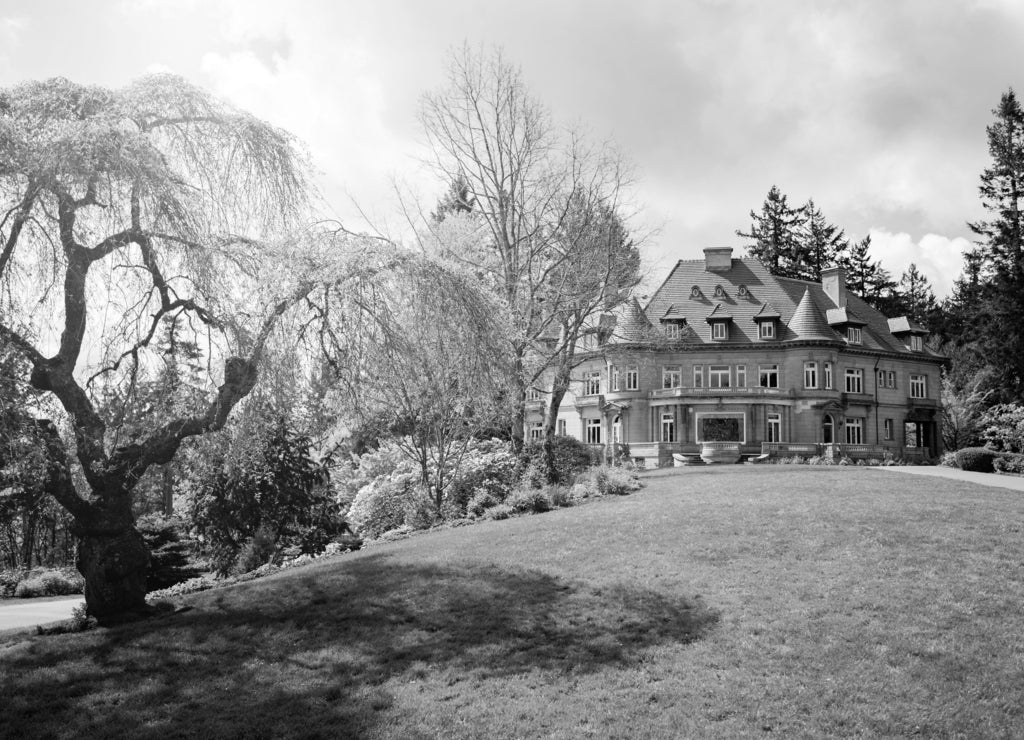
(866, 277)
(916, 297)
(821, 244)
(776, 235)
(458, 199)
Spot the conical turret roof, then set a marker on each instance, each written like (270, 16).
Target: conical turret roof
(808, 322)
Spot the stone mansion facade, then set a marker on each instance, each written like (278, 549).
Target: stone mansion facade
(726, 354)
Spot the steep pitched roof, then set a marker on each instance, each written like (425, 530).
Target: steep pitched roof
(767, 313)
(674, 314)
(718, 314)
(809, 323)
(632, 325)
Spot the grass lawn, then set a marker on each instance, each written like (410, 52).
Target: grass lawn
(726, 602)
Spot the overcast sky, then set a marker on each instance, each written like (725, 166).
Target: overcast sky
(877, 110)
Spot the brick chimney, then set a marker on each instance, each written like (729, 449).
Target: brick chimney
(718, 259)
(833, 282)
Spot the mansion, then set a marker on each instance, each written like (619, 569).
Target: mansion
(727, 355)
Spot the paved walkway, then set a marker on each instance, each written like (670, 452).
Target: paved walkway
(1013, 482)
(18, 613)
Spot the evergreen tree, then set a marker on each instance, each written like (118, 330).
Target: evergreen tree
(776, 235)
(916, 299)
(458, 199)
(866, 277)
(994, 282)
(821, 244)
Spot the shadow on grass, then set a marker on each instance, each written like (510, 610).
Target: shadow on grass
(319, 654)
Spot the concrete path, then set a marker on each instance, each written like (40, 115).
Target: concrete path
(19, 613)
(1013, 482)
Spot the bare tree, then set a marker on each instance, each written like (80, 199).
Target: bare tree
(528, 185)
(123, 209)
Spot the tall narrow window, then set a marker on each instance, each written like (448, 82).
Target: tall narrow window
(633, 378)
(880, 379)
(810, 375)
(718, 376)
(668, 428)
(827, 370)
(741, 376)
(672, 330)
(854, 431)
(537, 430)
(918, 386)
(615, 379)
(560, 428)
(592, 384)
(853, 334)
(768, 376)
(672, 377)
(719, 330)
(854, 380)
(916, 343)
(593, 431)
(774, 427)
(698, 376)
(766, 329)
(888, 428)
(890, 379)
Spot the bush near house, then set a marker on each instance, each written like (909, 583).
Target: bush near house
(977, 459)
(571, 457)
(1013, 464)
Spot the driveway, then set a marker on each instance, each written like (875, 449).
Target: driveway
(1013, 482)
(20, 613)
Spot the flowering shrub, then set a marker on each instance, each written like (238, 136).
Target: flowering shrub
(488, 468)
(386, 503)
(1003, 427)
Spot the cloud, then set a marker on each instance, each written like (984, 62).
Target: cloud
(938, 257)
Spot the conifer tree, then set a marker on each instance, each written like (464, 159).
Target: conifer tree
(821, 244)
(775, 233)
(866, 277)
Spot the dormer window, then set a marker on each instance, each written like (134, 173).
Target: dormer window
(742, 291)
(673, 330)
(720, 330)
(766, 330)
(854, 335)
(916, 343)
(695, 292)
(766, 319)
(719, 291)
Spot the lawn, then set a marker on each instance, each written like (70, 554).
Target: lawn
(725, 602)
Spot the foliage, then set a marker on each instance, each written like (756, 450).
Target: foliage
(1013, 464)
(488, 468)
(775, 235)
(259, 550)
(49, 583)
(282, 490)
(976, 459)
(571, 456)
(866, 277)
(501, 511)
(1003, 427)
(528, 500)
(964, 402)
(170, 553)
(480, 503)
(385, 503)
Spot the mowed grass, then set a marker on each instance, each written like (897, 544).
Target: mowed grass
(723, 602)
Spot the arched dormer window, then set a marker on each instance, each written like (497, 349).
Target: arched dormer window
(719, 292)
(695, 292)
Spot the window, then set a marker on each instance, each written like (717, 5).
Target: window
(741, 376)
(695, 292)
(916, 343)
(880, 380)
(719, 291)
(827, 371)
(593, 431)
(560, 428)
(719, 330)
(918, 386)
(592, 384)
(534, 394)
(890, 379)
(698, 376)
(854, 380)
(810, 375)
(668, 428)
(537, 431)
(672, 330)
(718, 376)
(768, 376)
(766, 329)
(615, 379)
(774, 427)
(853, 334)
(671, 377)
(633, 378)
(854, 431)
(888, 425)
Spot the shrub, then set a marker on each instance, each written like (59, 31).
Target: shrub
(948, 459)
(619, 482)
(1009, 464)
(844, 460)
(529, 501)
(257, 551)
(976, 459)
(571, 457)
(501, 511)
(560, 496)
(170, 555)
(489, 467)
(9, 580)
(383, 504)
(480, 503)
(50, 583)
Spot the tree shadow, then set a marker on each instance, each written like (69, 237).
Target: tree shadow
(312, 654)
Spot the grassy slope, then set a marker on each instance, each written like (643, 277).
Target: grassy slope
(724, 602)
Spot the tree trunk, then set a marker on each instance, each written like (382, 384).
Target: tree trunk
(559, 386)
(114, 559)
(167, 489)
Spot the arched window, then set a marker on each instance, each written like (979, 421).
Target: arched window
(828, 430)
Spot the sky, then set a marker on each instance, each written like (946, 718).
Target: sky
(875, 109)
